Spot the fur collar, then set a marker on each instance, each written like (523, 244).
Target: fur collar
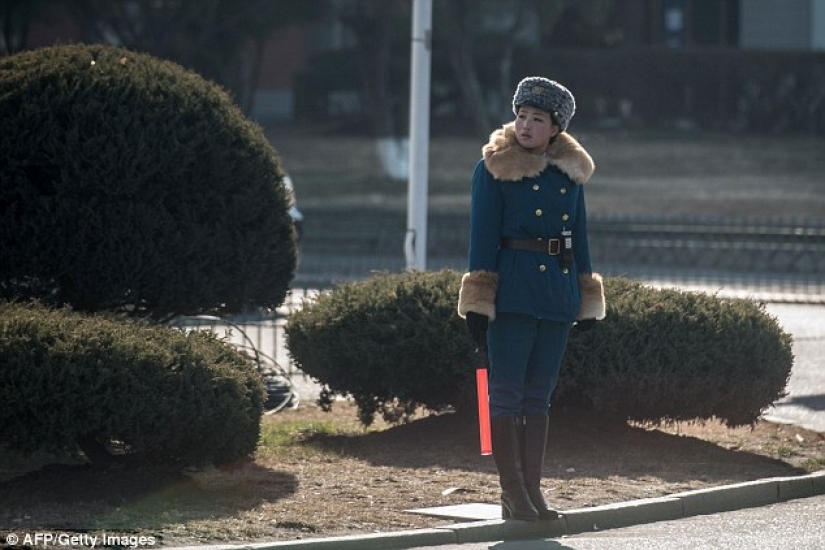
(508, 161)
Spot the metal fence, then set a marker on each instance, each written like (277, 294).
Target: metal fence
(261, 335)
(766, 260)
(773, 259)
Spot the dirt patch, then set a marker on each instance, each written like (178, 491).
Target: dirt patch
(321, 474)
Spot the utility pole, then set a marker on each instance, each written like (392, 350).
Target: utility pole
(415, 243)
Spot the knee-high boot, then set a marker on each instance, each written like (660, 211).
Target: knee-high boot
(533, 436)
(515, 502)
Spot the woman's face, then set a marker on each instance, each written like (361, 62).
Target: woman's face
(534, 128)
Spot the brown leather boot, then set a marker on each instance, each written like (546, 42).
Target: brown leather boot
(533, 436)
(515, 502)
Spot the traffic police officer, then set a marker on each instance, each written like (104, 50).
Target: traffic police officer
(529, 278)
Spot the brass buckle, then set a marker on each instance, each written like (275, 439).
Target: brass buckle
(554, 247)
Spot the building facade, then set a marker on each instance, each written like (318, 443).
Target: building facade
(783, 25)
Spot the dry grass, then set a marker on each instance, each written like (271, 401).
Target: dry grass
(321, 474)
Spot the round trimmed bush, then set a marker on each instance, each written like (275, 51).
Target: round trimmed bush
(129, 184)
(69, 380)
(394, 342)
(669, 355)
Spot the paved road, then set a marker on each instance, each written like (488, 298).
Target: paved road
(805, 403)
(793, 525)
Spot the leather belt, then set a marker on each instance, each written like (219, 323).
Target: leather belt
(550, 246)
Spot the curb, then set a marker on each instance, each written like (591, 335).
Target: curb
(713, 500)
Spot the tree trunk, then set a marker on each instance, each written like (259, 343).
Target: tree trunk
(459, 42)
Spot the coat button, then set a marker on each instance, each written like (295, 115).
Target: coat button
(542, 268)
(565, 271)
(536, 187)
(563, 190)
(538, 212)
(565, 217)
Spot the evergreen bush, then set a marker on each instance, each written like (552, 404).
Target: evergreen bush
(669, 355)
(394, 342)
(130, 184)
(157, 393)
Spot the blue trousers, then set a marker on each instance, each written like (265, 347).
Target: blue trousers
(525, 358)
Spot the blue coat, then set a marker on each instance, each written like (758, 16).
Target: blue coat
(520, 195)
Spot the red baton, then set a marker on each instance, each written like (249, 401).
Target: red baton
(483, 406)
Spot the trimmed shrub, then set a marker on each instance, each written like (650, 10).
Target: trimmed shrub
(394, 342)
(668, 355)
(68, 379)
(129, 184)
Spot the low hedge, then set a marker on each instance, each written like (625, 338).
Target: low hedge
(395, 342)
(669, 355)
(152, 391)
(392, 342)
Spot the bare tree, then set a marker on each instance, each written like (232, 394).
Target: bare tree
(381, 35)
(465, 28)
(479, 32)
(457, 22)
(221, 39)
(15, 19)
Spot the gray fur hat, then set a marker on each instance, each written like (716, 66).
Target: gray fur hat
(547, 95)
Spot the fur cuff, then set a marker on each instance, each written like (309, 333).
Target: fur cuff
(592, 297)
(478, 293)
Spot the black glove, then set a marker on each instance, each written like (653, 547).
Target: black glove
(585, 324)
(477, 325)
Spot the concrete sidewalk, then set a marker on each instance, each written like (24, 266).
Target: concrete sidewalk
(804, 406)
(682, 505)
(790, 525)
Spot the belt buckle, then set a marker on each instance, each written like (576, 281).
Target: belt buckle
(553, 247)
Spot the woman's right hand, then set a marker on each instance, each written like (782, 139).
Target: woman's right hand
(477, 325)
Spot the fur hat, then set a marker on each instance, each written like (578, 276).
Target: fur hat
(547, 95)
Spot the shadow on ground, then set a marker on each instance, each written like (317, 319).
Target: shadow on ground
(813, 402)
(576, 449)
(58, 496)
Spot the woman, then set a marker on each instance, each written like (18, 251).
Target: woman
(529, 278)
